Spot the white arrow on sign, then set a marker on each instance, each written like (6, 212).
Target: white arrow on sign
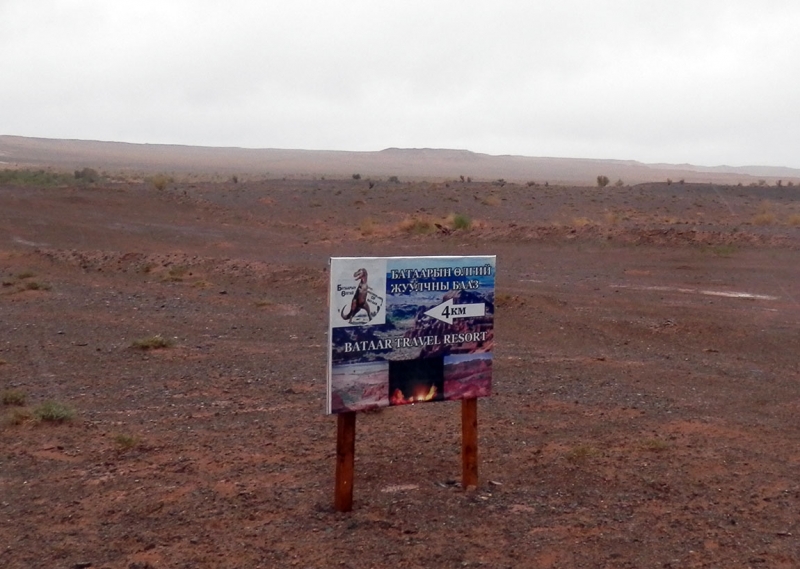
(446, 311)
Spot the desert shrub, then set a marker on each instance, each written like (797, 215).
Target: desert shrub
(461, 221)
(723, 250)
(13, 397)
(602, 181)
(125, 442)
(26, 275)
(669, 181)
(765, 215)
(765, 218)
(367, 226)
(417, 225)
(54, 412)
(161, 181)
(36, 285)
(87, 175)
(581, 221)
(176, 273)
(580, 453)
(794, 219)
(155, 342)
(655, 445)
(18, 415)
(394, 179)
(491, 200)
(34, 178)
(619, 183)
(356, 176)
(235, 179)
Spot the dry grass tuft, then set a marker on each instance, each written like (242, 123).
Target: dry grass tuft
(655, 445)
(126, 442)
(18, 416)
(765, 214)
(417, 225)
(580, 453)
(13, 397)
(155, 342)
(581, 221)
(612, 217)
(367, 226)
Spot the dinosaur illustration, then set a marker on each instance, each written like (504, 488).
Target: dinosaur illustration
(359, 301)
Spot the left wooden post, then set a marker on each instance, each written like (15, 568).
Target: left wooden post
(345, 457)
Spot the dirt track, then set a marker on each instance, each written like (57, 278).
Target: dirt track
(646, 379)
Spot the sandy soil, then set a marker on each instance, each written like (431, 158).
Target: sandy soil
(645, 399)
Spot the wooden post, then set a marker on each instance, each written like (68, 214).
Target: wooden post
(469, 443)
(345, 455)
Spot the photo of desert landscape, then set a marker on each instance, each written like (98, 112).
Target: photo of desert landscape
(176, 178)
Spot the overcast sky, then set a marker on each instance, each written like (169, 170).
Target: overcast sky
(708, 82)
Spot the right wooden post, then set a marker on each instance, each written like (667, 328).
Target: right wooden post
(469, 443)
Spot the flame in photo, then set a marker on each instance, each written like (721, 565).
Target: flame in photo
(420, 394)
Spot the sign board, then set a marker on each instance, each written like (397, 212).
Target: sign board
(409, 330)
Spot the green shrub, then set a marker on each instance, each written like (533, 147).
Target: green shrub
(54, 412)
(461, 221)
(34, 178)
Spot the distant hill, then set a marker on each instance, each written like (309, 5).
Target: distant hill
(415, 163)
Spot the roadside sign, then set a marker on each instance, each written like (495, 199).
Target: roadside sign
(409, 330)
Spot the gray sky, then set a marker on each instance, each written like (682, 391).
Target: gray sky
(708, 82)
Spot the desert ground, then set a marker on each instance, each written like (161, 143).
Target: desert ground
(163, 372)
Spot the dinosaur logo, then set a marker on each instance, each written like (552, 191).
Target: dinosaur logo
(360, 298)
(357, 293)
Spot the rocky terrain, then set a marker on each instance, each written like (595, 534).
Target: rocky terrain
(163, 357)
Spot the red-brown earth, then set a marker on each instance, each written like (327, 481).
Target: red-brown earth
(646, 383)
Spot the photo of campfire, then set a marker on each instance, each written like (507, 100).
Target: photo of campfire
(416, 381)
(467, 376)
(359, 387)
